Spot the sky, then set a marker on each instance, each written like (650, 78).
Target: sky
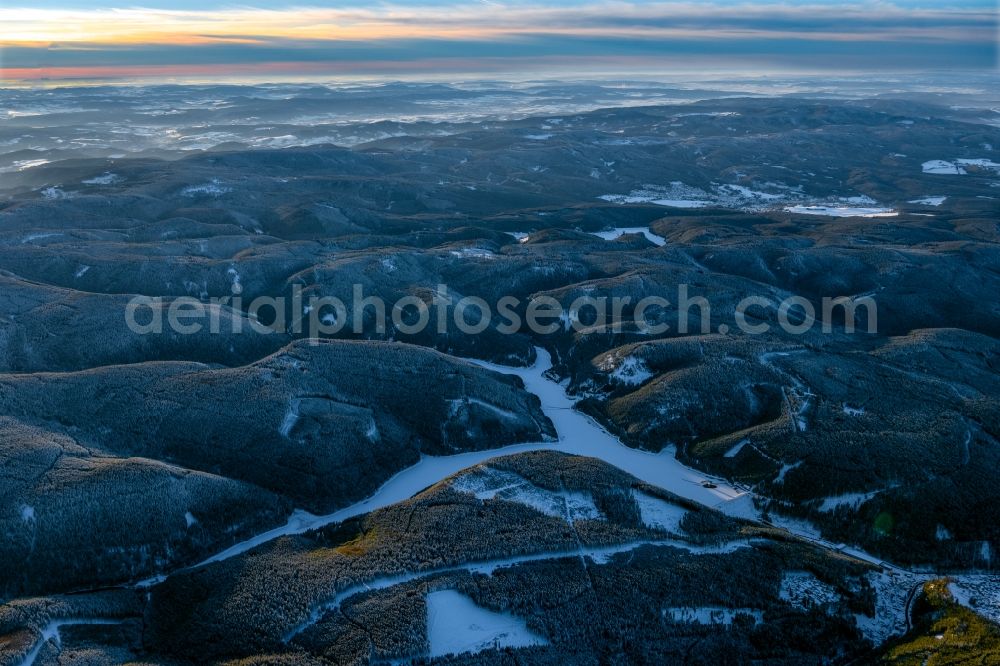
(76, 39)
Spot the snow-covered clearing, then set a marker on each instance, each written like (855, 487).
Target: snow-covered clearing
(711, 614)
(803, 590)
(658, 513)
(942, 167)
(487, 484)
(892, 596)
(618, 232)
(958, 167)
(785, 469)
(847, 499)
(456, 625)
(980, 592)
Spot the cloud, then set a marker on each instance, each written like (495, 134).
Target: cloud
(880, 35)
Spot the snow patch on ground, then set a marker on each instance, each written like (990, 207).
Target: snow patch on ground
(796, 526)
(473, 252)
(843, 211)
(106, 178)
(853, 411)
(234, 277)
(731, 453)
(928, 201)
(212, 188)
(54, 193)
(456, 625)
(847, 499)
(291, 418)
(30, 238)
(457, 406)
(785, 469)
(658, 513)
(629, 370)
(21, 165)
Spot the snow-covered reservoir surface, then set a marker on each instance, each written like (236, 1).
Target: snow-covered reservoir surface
(578, 434)
(455, 625)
